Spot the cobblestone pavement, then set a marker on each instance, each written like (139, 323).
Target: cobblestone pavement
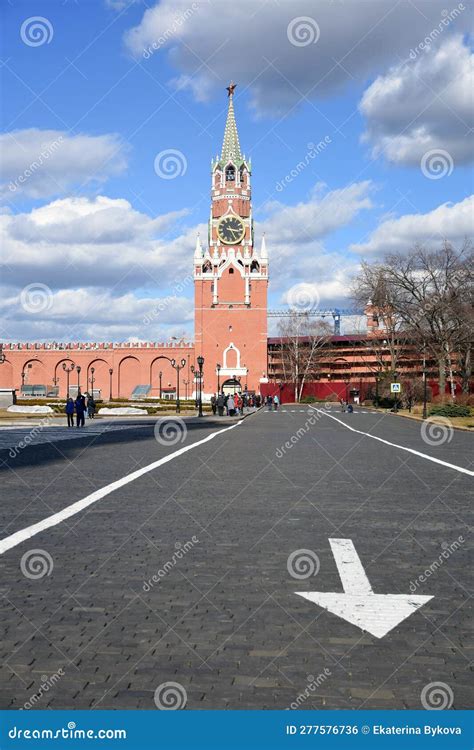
(187, 574)
(17, 438)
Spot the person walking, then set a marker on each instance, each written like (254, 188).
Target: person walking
(69, 409)
(214, 403)
(90, 407)
(80, 406)
(269, 402)
(276, 402)
(220, 404)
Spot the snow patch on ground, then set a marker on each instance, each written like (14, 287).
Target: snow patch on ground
(123, 411)
(31, 409)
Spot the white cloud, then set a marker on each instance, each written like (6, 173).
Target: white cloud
(453, 222)
(248, 41)
(43, 163)
(423, 105)
(96, 314)
(96, 242)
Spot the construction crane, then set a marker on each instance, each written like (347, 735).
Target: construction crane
(335, 313)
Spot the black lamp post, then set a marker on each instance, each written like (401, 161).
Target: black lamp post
(2, 355)
(92, 381)
(347, 380)
(218, 368)
(110, 382)
(68, 371)
(178, 367)
(425, 383)
(200, 361)
(160, 375)
(377, 379)
(78, 370)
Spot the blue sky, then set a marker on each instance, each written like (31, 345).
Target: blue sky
(96, 224)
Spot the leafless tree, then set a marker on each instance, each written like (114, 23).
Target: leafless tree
(302, 342)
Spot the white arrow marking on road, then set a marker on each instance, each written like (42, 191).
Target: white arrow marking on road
(378, 614)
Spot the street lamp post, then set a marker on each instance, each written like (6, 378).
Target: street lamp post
(68, 371)
(200, 361)
(218, 368)
(425, 383)
(178, 367)
(110, 383)
(160, 375)
(92, 381)
(78, 370)
(2, 355)
(395, 380)
(377, 379)
(347, 380)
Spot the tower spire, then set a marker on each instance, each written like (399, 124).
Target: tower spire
(231, 145)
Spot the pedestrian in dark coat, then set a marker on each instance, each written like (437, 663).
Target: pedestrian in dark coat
(69, 409)
(220, 404)
(80, 406)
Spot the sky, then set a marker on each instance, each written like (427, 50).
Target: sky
(357, 115)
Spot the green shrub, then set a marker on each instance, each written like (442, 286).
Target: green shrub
(450, 410)
(308, 400)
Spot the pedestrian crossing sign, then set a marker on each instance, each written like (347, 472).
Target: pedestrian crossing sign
(395, 388)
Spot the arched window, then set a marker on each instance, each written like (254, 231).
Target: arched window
(231, 270)
(207, 268)
(242, 175)
(254, 268)
(230, 173)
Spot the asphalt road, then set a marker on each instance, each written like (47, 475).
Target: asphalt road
(188, 574)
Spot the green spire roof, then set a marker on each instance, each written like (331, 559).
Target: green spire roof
(231, 145)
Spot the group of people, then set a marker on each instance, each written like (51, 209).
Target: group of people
(272, 402)
(80, 406)
(233, 404)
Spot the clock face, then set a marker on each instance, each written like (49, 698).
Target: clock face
(231, 230)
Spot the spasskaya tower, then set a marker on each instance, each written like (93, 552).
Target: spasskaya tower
(230, 277)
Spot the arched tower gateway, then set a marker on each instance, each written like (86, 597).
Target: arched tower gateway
(231, 278)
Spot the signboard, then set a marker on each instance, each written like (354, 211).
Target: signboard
(395, 388)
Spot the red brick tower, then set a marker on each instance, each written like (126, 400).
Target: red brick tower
(231, 278)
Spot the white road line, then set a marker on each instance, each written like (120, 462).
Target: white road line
(401, 447)
(20, 536)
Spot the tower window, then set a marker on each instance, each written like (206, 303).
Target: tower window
(231, 270)
(254, 268)
(230, 173)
